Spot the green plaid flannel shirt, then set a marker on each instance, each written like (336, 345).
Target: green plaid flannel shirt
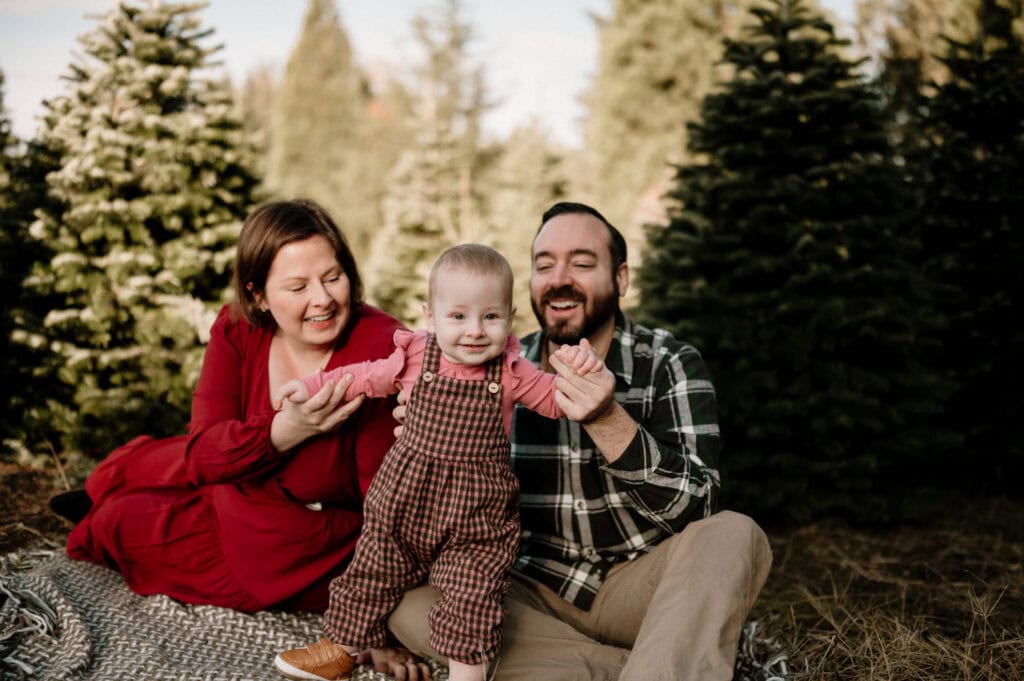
(581, 515)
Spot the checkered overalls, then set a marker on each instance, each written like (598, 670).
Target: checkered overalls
(444, 502)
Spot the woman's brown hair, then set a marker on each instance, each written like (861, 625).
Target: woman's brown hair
(272, 226)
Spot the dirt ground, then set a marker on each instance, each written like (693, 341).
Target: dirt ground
(25, 519)
(942, 601)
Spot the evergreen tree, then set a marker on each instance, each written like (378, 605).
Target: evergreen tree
(390, 132)
(788, 264)
(326, 142)
(526, 177)
(657, 61)
(7, 149)
(254, 107)
(433, 199)
(11, 271)
(964, 22)
(10, 237)
(970, 175)
(25, 360)
(904, 37)
(152, 184)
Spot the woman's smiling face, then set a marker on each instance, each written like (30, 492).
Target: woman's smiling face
(307, 293)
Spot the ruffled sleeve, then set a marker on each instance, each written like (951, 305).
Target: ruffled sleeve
(405, 339)
(374, 378)
(533, 388)
(512, 350)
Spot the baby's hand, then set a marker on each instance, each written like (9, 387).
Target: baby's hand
(292, 390)
(580, 358)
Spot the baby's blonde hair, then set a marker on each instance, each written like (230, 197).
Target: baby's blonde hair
(473, 258)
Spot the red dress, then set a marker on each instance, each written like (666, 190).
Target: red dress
(219, 516)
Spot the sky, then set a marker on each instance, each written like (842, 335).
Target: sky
(539, 55)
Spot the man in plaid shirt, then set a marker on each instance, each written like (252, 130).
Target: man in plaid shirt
(626, 570)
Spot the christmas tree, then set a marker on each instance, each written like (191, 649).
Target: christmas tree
(529, 173)
(969, 171)
(12, 271)
(787, 262)
(326, 142)
(433, 199)
(656, 62)
(25, 359)
(152, 184)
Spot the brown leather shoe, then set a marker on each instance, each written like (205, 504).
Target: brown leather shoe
(321, 661)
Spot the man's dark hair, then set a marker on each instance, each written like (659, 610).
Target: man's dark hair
(617, 244)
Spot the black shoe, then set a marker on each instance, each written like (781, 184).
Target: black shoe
(72, 505)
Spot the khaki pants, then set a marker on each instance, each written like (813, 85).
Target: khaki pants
(674, 613)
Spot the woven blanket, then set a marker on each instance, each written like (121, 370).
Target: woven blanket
(66, 619)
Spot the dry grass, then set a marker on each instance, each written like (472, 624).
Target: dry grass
(938, 602)
(942, 602)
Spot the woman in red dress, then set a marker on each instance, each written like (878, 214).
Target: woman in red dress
(254, 508)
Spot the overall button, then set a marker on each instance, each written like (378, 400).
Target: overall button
(428, 376)
(493, 387)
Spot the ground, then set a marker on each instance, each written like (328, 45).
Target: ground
(25, 519)
(940, 601)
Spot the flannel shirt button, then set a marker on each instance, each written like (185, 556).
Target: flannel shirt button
(589, 554)
(493, 387)
(580, 505)
(428, 376)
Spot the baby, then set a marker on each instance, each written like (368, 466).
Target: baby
(445, 502)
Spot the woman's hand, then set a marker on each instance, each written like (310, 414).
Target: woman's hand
(323, 412)
(398, 662)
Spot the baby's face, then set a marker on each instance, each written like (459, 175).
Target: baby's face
(471, 316)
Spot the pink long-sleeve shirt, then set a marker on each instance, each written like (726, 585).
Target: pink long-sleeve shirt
(521, 380)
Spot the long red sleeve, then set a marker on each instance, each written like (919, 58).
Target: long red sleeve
(221, 517)
(228, 442)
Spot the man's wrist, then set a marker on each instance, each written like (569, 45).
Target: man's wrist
(612, 431)
(601, 414)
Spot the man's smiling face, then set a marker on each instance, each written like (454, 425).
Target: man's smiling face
(573, 289)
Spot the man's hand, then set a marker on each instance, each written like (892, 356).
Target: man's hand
(398, 662)
(590, 400)
(585, 397)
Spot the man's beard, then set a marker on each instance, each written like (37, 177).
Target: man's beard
(564, 332)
